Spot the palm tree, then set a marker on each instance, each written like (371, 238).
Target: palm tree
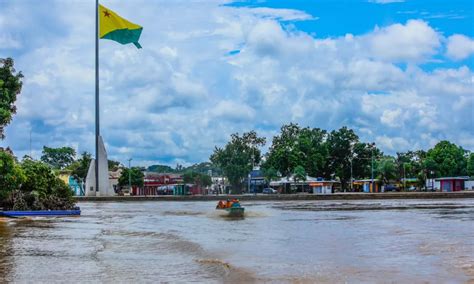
(299, 173)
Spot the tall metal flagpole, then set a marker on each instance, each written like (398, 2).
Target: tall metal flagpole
(97, 129)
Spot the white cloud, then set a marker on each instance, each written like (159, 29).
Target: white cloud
(415, 41)
(182, 94)
(459, 47)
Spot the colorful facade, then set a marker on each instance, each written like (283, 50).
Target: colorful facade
(156, 184)
(449, 184)
(366, 185)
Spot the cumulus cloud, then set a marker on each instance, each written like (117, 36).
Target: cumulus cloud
(459, 47)
(414, 41)
(184, 92)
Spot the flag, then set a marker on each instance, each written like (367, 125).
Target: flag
(116, 28)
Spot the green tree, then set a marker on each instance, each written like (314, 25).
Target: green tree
(299, 174)
(136, 177)
(269, 174)
(470, 165)
(198, 179)
(298, 146)
(363, 154)
(80, 167)
(10, 88)
(42, 189)
(113, 165)
(238, 156)
(344, 147)
(386, 169)
(449, 159)
(11, 175)
(58, 158)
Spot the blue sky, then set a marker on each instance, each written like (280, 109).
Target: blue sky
(398, 72)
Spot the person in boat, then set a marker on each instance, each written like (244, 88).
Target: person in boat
(235, 203)
(220, 205)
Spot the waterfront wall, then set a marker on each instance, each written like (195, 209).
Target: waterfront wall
(289, 197)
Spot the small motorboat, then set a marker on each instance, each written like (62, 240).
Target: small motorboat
(41, 213)
(233, 208)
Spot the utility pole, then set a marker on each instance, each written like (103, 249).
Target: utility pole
(372, 170)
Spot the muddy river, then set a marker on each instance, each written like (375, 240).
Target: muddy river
(282, 242)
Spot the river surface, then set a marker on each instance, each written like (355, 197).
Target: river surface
(394, 241)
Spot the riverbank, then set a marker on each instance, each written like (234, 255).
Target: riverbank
(289, 197)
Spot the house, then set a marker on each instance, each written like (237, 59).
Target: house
(310, 184)
(366, 185)
(449, 184)
(257, 181)
(323, 186)
(153, 183)
(218, 185)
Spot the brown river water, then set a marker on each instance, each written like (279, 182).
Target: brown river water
(388, 241)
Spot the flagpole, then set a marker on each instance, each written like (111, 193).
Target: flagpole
(97, 129)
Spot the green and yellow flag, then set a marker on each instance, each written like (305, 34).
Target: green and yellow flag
(114, 27)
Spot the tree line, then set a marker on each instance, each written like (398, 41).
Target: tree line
(339, 154)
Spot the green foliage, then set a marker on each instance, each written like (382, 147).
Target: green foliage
(386, 169)
(113, 165)
(10, 88)
(447, 159)
(299, 174)
(203, 168)
(161, 169)
(58, 158)
(11, 175)
(298, 146)
(236, 159)
(80, 167)
(344, 145)
(136, 177)
(363, 154)
(199, 179)
(270, 174)
(41, 189)
(470, 165)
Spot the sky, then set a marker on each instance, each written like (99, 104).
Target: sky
(400, 73)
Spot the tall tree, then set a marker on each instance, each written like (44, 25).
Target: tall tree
(470, 165)
(362, 156)
(136, 177)
(238, 156)
(449, 159)
(80, 167)
(58, 158)
(340, 143)
(298, 146)
(10, 88)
